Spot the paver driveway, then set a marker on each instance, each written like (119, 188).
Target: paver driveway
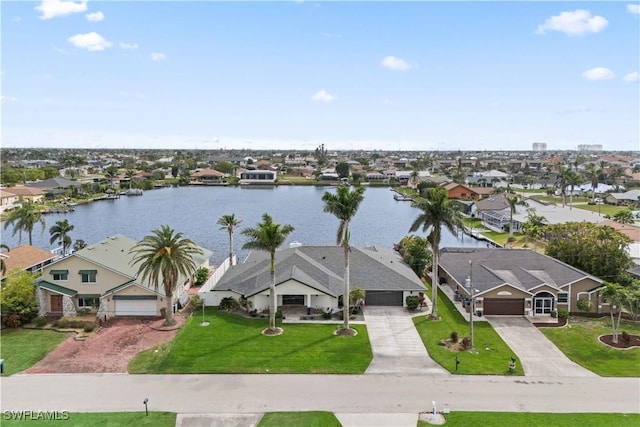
(396, 345)
(538, 355)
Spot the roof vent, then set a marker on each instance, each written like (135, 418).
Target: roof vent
(295, 244)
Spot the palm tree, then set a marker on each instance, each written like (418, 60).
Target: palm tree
(513, 202)
(163, 257)
(437, 212)
(561, 182)
(593, 173)
(344, 205)
(60, 232)
(573, 179)
(130, 174)
(3, 266)
(229, 222)
(25, 219)
(268, 236)
(111, 172)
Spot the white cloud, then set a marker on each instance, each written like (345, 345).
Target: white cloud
(128, 46)
(633, 8)
(632, 77)
(574, 23)
(598, 73)
(95, 17)
(8, 98)
(54, 8)
(393, 63)
(157, 56)
(323, 96)
(91, 41)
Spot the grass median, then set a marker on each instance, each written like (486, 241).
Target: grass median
(231, 344)
(490, 356)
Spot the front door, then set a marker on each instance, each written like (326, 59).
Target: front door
(56, 303)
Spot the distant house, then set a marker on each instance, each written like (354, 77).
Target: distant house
(460, 191)
(206, 176)
(26, 257)
(258, 177)
(101, 277)
(312, 276)
(377, 177)
(32, 194)
(8, 200)
(628, 198)
(518, 282)
(633, 233)
(54, 186)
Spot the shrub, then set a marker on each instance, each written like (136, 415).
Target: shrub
(202, 274)
(228, 304)
(195, 303)
(89, 327)
(466, 343)
(412, 302)
(554, 313)
(584, 305)
(11, 320)
(563, 313)
(626, 337)
(253, 313)
(83, 311)
(65, 323)
(40, 321)
(326, 315)
(18, 300)
(279, 315)
(454, 337)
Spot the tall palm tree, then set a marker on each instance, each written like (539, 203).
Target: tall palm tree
(573, 179)
(229, 222)
(344, 205)
(513, 202)
(25, 219)
(3, 266)
(268, 236)
(562, 181)
(130, 174)
(60, 232)
(593, 174)
(437, 212)
(163, 257)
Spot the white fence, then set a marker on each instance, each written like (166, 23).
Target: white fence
(204, 291)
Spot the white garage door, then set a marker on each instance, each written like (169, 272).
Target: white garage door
(145, 307)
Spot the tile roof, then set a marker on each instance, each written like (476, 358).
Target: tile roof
(25, 256)
(322, 268)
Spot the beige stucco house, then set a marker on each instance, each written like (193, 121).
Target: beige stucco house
(101, 278)
(517, 281)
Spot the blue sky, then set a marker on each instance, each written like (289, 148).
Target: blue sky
(293, 75)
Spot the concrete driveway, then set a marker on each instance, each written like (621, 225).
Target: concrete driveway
(538, 355)
(396, 345)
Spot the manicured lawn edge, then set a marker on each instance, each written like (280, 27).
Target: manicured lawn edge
(536, 419)
(22, 348)
(91, 419)
(579, 342)
(294, 419)
(491, 354)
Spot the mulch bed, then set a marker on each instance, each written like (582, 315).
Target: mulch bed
(559, 324)
(634, 341)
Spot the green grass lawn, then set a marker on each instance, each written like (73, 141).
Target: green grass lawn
(102, 419)
(579, 341)
(535, 419)
(602, 209)
(295, 419)
(232, 344)
(21, 348)
(481, 361)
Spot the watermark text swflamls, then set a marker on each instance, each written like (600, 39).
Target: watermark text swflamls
(35, 415)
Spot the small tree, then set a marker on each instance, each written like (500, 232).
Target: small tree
(614, 293)
(18, 300)
(584, 305)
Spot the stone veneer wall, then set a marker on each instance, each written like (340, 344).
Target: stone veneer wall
(41, 296)
(103, 310)
(68, 307)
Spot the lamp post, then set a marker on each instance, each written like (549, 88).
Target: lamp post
(469, 286)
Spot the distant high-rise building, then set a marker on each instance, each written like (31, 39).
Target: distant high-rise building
(539, 146)
(590, 147)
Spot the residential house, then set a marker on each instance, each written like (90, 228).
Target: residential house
(8, 200)
(630, 197)
(206, 177)
(313, 276)
(258, 177)
(460, 191)
(518, 282)
(632, 232)
(26, 257)
(34, 195)
(101, 277)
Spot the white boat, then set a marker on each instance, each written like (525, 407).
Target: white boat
(134, 192)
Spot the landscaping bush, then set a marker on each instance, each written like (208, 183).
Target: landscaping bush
(40, 321)
(195, 303)
(412, 302)
(18, 300)
(228, 304)
(11, 320)
(626, 337)
(202, 274)
(454, 337)
(89, 327)
(466, 343)
(67, 323)
(253, 313)
(584, 305)
(83, 311)
(554, 314)
(326, 315)
(279, 315)
(563, 313)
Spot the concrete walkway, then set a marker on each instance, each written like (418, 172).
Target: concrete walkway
(539, 356)
(397, 347)
(252, 419)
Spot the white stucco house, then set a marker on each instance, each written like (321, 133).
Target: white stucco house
(312, 276)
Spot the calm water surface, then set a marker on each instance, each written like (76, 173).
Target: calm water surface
(194, 211)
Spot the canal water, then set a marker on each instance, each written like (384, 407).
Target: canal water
(194, 211)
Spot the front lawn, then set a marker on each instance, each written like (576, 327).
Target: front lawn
(234, 345)
(579, 341)
(491, 354)
(602, 209)
(22, 348)
(536, 419)
(90, 419)
(307, 419)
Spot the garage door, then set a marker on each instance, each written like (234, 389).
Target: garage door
(506, 306)
(136, 307)
(383, 298)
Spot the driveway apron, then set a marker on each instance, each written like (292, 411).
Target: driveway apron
(538, 355)
(396, 345)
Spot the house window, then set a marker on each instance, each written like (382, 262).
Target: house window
(60, 274)
(88, 276)
(88, 302)
(563, 297)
